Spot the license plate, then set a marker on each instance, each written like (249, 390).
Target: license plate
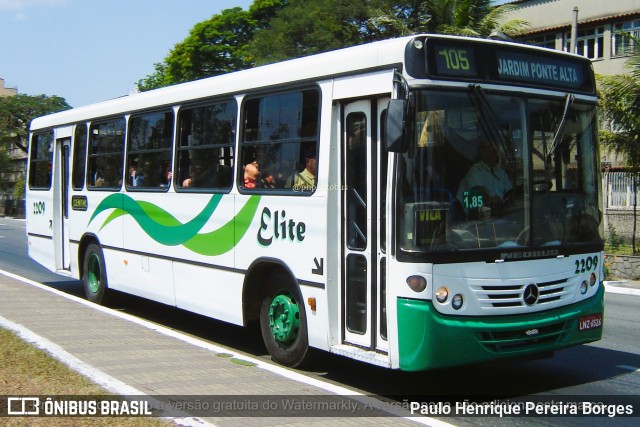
(590, 322)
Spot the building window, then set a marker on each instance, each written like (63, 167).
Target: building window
(547, 41)
(621, 43)
(589, 43)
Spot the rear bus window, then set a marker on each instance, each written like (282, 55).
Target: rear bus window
(40, 162)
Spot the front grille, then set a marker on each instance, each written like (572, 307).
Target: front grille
(519, 339)
(512, 295)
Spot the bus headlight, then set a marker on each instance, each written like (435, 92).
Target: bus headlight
(583, 287)
(442, 294)
(592, 279)
(417, 283)
(457, 301)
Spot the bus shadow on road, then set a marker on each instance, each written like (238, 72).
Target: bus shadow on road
(571, 371)
(71, 287)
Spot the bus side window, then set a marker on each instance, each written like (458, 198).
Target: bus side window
(106, 152)
(280, 134)
(41, 161)
(206, 136)
(79, 156)
(150, 143)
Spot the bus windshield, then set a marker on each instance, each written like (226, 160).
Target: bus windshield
(492, 171)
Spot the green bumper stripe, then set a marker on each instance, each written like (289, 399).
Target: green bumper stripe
(428, 339)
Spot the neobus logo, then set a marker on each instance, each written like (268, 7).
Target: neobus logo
(547, 253)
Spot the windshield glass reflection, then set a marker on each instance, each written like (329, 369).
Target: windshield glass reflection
(493, 171)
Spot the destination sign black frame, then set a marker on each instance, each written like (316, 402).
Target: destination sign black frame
(501, 63)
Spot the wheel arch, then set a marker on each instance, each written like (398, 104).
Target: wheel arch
(85, 241)
(255, 280)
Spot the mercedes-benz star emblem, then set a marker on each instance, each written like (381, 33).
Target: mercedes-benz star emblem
(531, 294)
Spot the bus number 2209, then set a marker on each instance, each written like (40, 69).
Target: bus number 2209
(38, 208)
(586, 264)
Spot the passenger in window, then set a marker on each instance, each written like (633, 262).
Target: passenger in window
(136, 177)
(251, 173)
(273, 176)
(201, 175)
(306, 180)
(98, 178)
(166, 175)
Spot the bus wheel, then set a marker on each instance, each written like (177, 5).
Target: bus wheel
(94, 275)
(283, 322)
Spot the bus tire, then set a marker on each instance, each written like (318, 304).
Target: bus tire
(283, 322)
(94, 275)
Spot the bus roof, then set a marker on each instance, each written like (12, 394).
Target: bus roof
(314, 67)
(371, 56)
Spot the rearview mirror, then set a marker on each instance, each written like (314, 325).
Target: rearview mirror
(395, 126)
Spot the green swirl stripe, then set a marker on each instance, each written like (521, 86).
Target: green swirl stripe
(226, 237)
(165, 229)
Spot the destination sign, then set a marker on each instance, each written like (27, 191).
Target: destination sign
(480, 61)
(456, 61)
(546, 71)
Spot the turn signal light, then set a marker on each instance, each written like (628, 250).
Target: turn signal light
(417, 283)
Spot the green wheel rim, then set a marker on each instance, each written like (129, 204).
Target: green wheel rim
(94, 272)
(284, 319)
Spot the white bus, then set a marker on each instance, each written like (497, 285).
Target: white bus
(414, 203)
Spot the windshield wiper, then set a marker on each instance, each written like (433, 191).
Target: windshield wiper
(488, 119)
(563, 122)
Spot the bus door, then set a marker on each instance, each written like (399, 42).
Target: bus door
(364, 262)
(61, 204)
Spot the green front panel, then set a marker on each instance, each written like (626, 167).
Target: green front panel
(428, 339)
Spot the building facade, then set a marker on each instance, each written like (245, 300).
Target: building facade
(6, 91)
(599, 31)
(14, 173)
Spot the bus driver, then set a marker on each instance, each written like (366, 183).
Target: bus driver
(486, 176)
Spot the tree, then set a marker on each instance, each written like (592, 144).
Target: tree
(472, 18)
(306, 27)
(16, 113)
(620, 106)
(215, 46)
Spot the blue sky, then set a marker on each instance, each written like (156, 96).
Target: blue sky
(88, 51)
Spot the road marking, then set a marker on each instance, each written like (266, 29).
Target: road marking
(612, 288)
(72, 361)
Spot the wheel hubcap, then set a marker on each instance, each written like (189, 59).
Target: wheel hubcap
(284, 319)
(93, 273)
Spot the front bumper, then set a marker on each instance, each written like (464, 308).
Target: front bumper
(428, 339)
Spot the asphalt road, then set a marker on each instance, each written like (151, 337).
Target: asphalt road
(604, 370)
